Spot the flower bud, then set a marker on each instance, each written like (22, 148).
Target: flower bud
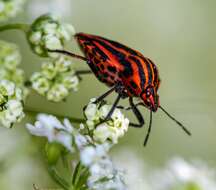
(46, 32)
(9, 9)
(53, 152)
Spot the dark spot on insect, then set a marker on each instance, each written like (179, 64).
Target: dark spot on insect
(104, 80)
(96, 61)
(112, 69)
(120, 56)
(98, 51)
(133, 84)
(87, 43)
(130, 89)
(102, 66)
(94, 51)
(120, 75)
(112, 77)
(97, 69)
(126, 73)
(105, 74)
(90, 55)
(127, 67)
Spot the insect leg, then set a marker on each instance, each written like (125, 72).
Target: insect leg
(137, 114)
(149, 130)
(67, 53)
(129, 108)
(113, 108)
(100, 98)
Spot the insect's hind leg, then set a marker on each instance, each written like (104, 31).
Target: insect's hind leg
(137, 114)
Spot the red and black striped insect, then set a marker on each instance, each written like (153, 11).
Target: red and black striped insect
(125, 71)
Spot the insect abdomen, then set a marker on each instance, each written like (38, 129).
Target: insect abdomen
(113, 62)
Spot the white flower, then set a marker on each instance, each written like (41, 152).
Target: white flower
(103, 174)
(11, 106)
(56, 79)
(47, 32)
(9, 9)
(10, 59)
(10, 56)
(40, 83)
(57, 93)
(90, 154)
(12, 89)
(9, 87)
(180, 173)
(110, 130)
(50, 127)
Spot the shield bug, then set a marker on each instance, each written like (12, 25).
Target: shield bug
(125, 71)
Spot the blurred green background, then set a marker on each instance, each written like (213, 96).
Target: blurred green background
(178, 35)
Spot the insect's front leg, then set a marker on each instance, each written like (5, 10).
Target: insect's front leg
(137, 113)
(120, 90)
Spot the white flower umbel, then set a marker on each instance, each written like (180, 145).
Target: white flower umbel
(56, 79)
(50, 127)
(10, 8)
(10, 59)
(110, 130)
(180, 174)
(10, 56)
(46, 32)
(11, 103)
(103, 174)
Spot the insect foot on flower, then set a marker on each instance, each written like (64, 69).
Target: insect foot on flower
(101, 130)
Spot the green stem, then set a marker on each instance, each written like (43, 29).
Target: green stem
(35, 112)
(58, 179)
(15, 26)
(75, 174)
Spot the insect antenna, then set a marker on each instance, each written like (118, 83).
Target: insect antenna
(178, 123)
(149, 130)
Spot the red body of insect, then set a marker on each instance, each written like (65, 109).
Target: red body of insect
(114, 63)
(125, 70)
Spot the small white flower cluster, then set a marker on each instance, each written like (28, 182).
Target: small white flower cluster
(11, 103)
(110, 130)
(56, 79)
(103, 174)
(10, 59)
(12, 89)
(50, 127)
(180, 174)
(10, 8)
(46, 32)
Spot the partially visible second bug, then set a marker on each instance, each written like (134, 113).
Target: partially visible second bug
(125, 71)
